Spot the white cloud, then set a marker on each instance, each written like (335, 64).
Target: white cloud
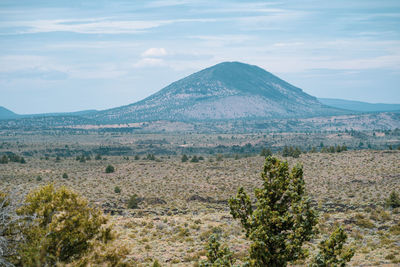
(93, 25)
(154, 52)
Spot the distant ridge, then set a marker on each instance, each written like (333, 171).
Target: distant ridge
(6, 114)
(358, 105)
(229, 90)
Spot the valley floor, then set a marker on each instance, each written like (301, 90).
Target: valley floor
(181, 203)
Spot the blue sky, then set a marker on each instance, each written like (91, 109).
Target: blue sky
(75, 55)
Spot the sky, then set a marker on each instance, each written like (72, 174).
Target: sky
(61, 56)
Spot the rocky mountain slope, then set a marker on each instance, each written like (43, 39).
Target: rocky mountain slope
(229, 90)
(6, 114)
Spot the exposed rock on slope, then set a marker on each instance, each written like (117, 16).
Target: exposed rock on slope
(229, 90)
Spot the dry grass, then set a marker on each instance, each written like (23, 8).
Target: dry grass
(185, 202)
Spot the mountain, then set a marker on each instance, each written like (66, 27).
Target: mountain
(359, 106)
(229, 90)
(6, 114)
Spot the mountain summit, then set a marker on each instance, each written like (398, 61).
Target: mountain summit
(229, 90)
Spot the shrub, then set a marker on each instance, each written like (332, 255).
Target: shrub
(4, 159)
(97, 157)
(7, 236)
(150, 157)
(65, 175)
(282, 220)
(265, 152)
(332, 251)
(394, 200)
(117, 189)
(156, 264)
(110, 169)
(64, 227)
(184, 158)
(291, 152)
(133, 202)
(217, 255)
(194, 159)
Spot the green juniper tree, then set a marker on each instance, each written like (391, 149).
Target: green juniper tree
(217, 255)
(332, 251)
(282, 219)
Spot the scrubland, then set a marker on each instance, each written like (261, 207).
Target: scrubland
(181, 203)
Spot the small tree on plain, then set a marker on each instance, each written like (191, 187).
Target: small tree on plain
(217, 255)
(133, 202)
(394, 200)
(63, 229)
(110, 169)
(282, 219)
(332, 251)
(184, 158)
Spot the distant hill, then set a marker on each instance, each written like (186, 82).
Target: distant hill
(56, 114)
(229, 90)
(6, 114)
(358, 105)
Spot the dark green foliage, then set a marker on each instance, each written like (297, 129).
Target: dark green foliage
(332, 251)
(394, 200)
(137, 157)
(65, 175)
(184, 158)
(11, 157)
(97, 157)
(219, 157)
(4, 159)
(150, 157)
(282, 219)
(133, 202)
(291, 152)
(217, 255)
(265, 152)
(117, 189)
(38, 178)
(194, 159)
(58, 159)
(110, 169)
(334, 149)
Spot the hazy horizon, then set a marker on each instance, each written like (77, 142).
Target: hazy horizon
(64, 57)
